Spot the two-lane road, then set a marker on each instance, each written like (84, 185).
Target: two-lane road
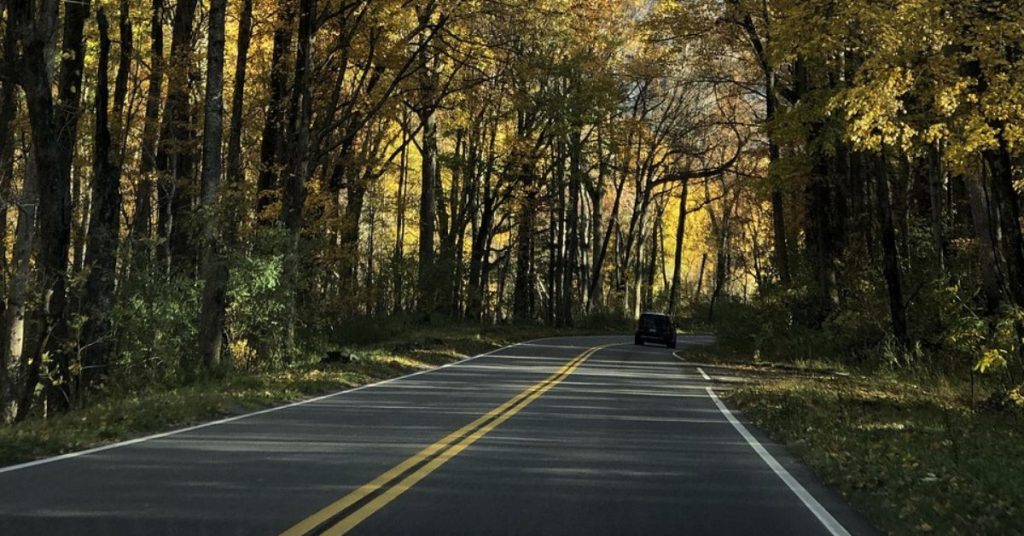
(581, 435)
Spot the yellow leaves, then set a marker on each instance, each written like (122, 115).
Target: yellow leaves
(241, 353)
(949, 98)
(993, 359)
(875, 109)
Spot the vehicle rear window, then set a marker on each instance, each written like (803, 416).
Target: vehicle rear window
(647, 321)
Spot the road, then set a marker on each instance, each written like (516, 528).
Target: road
(580, 435)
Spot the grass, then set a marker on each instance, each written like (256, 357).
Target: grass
(121, 417)
(912, 450)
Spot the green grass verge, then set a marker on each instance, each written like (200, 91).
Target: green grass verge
(121, 417)
(910, 453)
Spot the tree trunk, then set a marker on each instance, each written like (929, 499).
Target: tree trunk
(428, 207)
(271, 150)
(54, 131)
(294, 194)
(479, 259)
(235, 171)
(175, 158)
(936, 185)
(890, 254)
(214, 263)
(104, 229)
(778, 206)
(13, 346)
(570, 282)
(1008, 202)
(398, 254)
(820, 242)
(595, 283)
(602, 250)
(118, 125)
(677, 271)
(141, 220)
(8, 111)
(988, 253)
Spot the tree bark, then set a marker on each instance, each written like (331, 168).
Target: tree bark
(988, 252)
(104, 232)
(522, 293)
(235, 171)
(141, 220)
(271, 145)
(428, 207)
(294, 194)
(570, 282)
(890, 254)
(8, 111)
(175, 158)
(13, 346)
(677, 271)
(214, 264)
(118, 125)
(398, 254)
(1008, 202)
(54, 131)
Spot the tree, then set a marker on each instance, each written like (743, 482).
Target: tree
(104, 229)
(214, 265)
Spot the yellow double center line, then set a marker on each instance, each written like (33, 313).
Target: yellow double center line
(344, 514)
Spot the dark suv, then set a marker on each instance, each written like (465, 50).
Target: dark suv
(655, 327)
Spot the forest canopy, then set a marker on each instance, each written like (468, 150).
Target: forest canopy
(195, 187)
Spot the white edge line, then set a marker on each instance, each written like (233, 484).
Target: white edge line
(702, 373)
(831, 523)
(70, 455)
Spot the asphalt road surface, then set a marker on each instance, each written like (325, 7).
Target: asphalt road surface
(580, 435)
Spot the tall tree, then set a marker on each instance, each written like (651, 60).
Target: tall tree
(176, 154)
(214, 264)
(104, 229)
(142, 218)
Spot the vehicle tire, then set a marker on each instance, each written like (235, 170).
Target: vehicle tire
(638, 341)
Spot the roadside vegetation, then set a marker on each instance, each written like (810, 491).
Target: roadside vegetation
(908, 450)
(922, 442)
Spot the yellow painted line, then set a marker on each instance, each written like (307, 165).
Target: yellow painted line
(475, 431)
